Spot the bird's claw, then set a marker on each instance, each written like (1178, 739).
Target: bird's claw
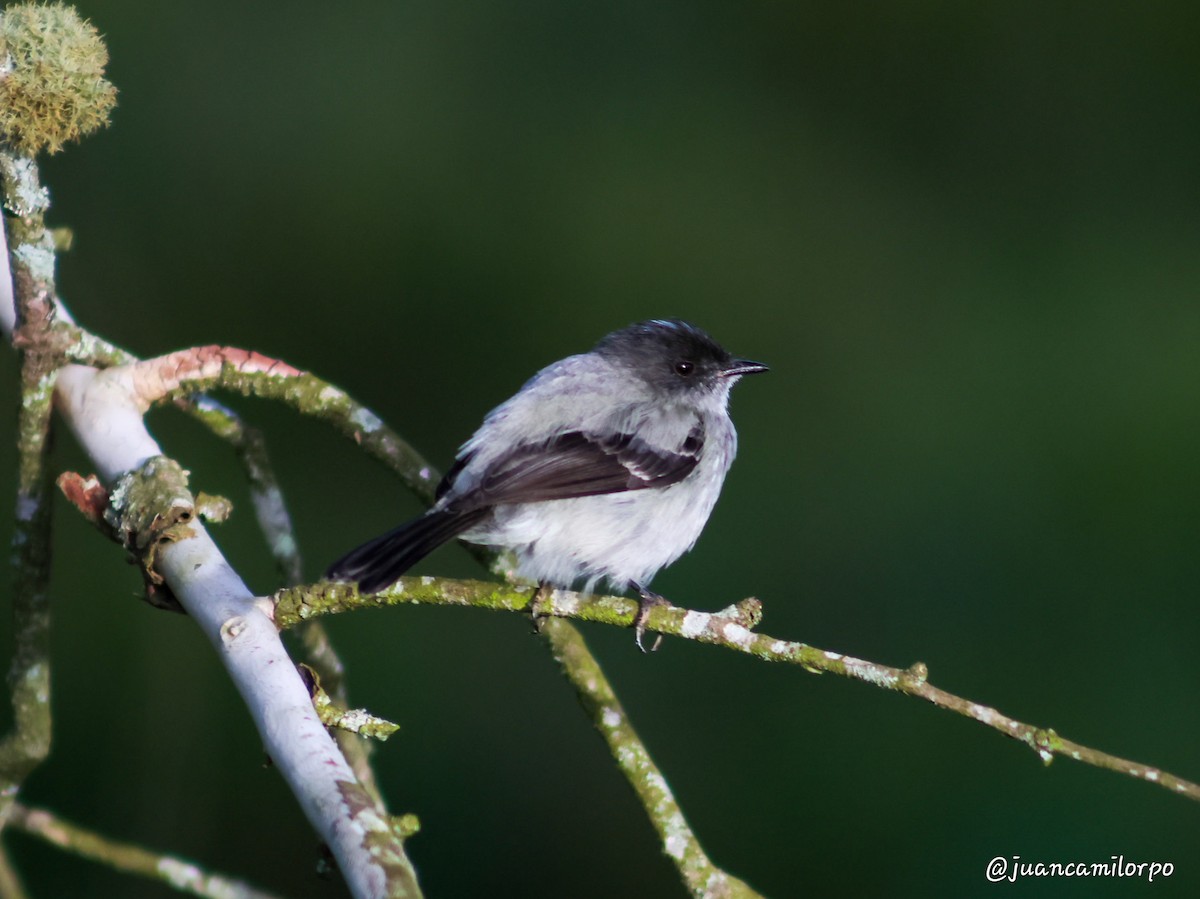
(537, 607)
(648, 600)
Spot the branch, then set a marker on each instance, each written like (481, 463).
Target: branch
(354, 721)
(270, 510)
(151, 505)
(369, 849)
(731, 628)
(177, 873)
(703, 879)
(198, 369)
(10, 883)
(179, 374)
(27, 304)
(272, 513)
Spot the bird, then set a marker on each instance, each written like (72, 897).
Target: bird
(604, 466)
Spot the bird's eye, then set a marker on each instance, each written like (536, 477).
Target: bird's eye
(684, 367)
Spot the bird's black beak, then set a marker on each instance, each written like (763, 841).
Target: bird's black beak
(739, 367)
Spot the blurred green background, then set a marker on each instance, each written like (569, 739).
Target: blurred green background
(964, 236)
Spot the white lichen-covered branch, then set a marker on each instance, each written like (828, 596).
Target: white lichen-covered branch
(104, 410)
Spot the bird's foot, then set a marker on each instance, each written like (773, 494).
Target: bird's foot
(537, 606)
(648, 601)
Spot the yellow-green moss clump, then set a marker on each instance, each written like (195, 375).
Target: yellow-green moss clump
(52, 86)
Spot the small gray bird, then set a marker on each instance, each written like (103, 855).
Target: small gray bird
(604, 466)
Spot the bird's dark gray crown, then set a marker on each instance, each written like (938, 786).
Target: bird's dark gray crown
(671, 352)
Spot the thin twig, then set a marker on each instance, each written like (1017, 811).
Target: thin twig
(731, 628)
(703, 879)
(270, 510)
(177, 873)
(200, 369)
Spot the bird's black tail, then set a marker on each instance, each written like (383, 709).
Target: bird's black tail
(379, 562)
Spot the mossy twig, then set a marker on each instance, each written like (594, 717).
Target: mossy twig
(703, 879)
(128, 858)
(32, 268)
(200, 369)
(731, 628)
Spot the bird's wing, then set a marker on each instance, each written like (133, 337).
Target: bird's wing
(574, 464)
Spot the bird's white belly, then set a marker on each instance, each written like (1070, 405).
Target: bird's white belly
(622, 537)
